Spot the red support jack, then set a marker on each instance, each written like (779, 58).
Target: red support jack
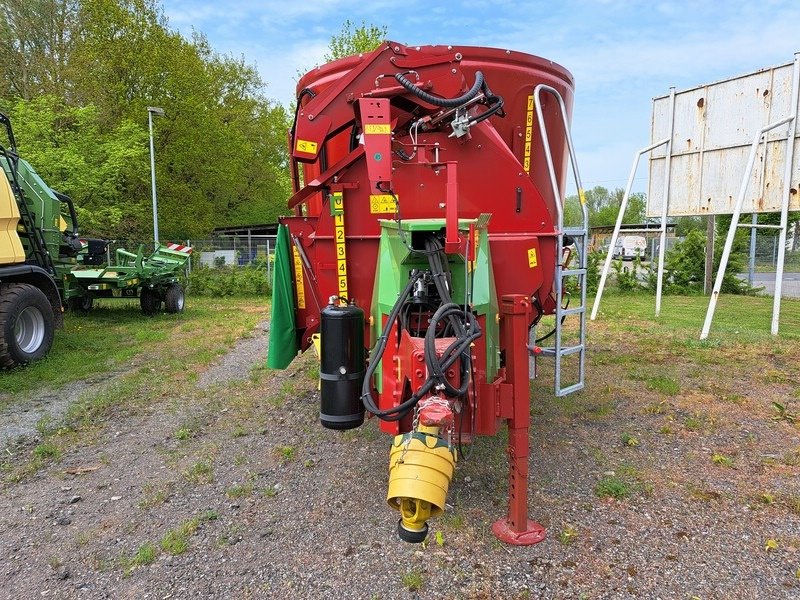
(516, 528)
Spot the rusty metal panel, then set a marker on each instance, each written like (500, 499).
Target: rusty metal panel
(714, 127)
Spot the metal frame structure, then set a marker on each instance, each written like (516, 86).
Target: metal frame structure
(791, 121)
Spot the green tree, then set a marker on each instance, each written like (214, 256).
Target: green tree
(603, 206)
(76, 156)
(354, 39)
(80, 99)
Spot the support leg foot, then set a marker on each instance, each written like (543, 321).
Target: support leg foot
(533, 533)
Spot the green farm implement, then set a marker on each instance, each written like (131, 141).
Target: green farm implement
(154, 278)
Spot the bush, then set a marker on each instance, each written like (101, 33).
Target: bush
(250, 280)
(628, 279)
(593, 261)
(684, 266)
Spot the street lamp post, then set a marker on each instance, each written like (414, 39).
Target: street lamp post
(153, 110)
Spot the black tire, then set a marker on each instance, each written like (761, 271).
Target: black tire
(149, 301)
(174, 299)
(82, 305)
(27, 324)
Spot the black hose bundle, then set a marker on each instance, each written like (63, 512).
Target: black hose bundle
(495, 102)
(436, 100)
(463, 324)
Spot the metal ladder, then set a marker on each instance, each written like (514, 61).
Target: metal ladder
(580, 237)
(39, 253)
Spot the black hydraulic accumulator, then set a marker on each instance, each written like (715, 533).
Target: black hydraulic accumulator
(342, 365)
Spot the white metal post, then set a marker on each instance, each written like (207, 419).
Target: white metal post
(618, 225)
(787, 180)
(665, 209)
(737, 211)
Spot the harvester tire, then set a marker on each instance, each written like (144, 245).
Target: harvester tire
(149, 301)
(174, 299)
(82, 305)
(27, 324)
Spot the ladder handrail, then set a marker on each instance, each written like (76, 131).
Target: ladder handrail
(583, 233)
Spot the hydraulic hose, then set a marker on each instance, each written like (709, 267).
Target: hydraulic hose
(436, 100)
(398, 412)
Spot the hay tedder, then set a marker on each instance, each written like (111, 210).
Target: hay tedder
(429, 185)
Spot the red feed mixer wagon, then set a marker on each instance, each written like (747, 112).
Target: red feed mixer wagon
(427, 242)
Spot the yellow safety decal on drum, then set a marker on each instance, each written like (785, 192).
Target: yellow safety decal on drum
(338, 236)
(526, 162)
(298, 279)
(305, 146)
(377, 128)
(533, 261)
(381, 203)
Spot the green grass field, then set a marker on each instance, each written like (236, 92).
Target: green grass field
(115, 336)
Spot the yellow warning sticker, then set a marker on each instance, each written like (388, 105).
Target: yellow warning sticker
(305, 146)
(533, 261)
(377, 128)
(339, 239)
(298, 279)
(526, 162)
(582, 196)
(381, 203)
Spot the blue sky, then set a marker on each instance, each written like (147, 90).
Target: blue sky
(622, 53)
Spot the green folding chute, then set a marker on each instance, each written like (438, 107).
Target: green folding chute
(282, 336)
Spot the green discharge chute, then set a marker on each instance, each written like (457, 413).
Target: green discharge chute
(282, 337)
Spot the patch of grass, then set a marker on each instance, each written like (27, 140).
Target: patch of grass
(145, 555)
(184, 433)
(286, 453)
(453, 520)
(629, 440)
(239, 491)
(693, 423)
(656, 408)
(783, 414)
(722, 460)
(155, 495)
(412, 580)
(568, 535)
(664, 385)
(46, 450)
(238, 432)
(200, 472)
(271, 491)
(112, 337)
(176, 541)
(792, 503)
(612, 487)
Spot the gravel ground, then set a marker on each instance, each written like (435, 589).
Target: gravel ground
(19, 419)
(273, 506)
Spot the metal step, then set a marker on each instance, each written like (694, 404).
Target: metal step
(570, 272)
(575, 232)
(567, 351)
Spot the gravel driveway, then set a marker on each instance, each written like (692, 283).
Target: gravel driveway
(234, 491)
